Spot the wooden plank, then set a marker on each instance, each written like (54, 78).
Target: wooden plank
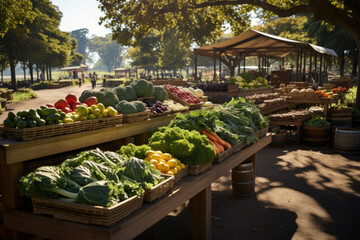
(141, 219)
(275, 108)
(17, 151)
(201, 214)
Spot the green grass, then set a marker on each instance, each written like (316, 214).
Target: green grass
(20, 96)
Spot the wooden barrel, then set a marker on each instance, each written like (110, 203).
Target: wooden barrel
(347, 140)
(340, 122)
(314, 135)
(346, 112)
(243, 179)
(278, 140)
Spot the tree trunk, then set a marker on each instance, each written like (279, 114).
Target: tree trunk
(357, 104)
(24, 69)
(50, 73)
(355, 63)
(47, 73)
(342, 63)
(13, 75)
(31, 72)
(2, 76)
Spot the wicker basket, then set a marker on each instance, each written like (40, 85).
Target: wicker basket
(224, 155)
(152, 115)
(178, 176)
(238, 146)
(107, 122)
(87, 214)
(194, 170)
(159, 190)
(135, 117)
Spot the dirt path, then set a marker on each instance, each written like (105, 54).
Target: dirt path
(45, 96)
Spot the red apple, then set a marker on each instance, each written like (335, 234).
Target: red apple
(71, 98)
(74, 105)
(66, 110)
(61, 104)
(91, 101)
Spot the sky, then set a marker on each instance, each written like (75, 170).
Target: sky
(79, 14)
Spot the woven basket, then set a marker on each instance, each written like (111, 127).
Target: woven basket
(178, 176)
(194, 170)
(224, 155)
(238, 146)
(87, 214)
(135, 117)
(159, 190)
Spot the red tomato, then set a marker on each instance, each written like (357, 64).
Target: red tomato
(61, 104)
(66, 110)
(71, 98)
(74, 105)
(91, 101)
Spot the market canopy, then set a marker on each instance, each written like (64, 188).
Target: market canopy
(256, 43)
(81, 67)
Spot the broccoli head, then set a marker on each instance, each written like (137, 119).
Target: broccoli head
(160, 93)
(130, 93)
(143, 88)
(140, 106)
(125, 107)
(110, 97)
(120, 93)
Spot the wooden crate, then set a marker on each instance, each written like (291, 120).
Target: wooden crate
(176, 98)
(238, 146)
(159, 190)
(197, 169)
(135, 117)
(224, 155)
(87, 214)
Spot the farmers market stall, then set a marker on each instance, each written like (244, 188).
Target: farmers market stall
(78, 191)
(196, 188)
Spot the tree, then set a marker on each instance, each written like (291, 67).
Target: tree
(110, 52)
(14, 13)
(75, 57)
(82, 40)
(129, 18)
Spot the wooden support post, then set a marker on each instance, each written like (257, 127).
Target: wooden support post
(304, 68)
(300, 68)
(10, 175)
(320, 71)
(214, 64)
(220, 66)
(244, 64)
(310, 68)
(297, 65)
(195, 77)
(201, 214)
(316, 73)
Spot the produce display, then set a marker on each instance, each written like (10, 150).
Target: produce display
(126, 107)
(155, 106)
(92, 177)
(219, 99)
(248, 81)
(293, 116)
(233, 121)
(316, 121)
(213, 87)
(160, 94)
(174, 106)
(260, 98)
(190, 147)
(164, 162)
(196, 92)
(183, 95)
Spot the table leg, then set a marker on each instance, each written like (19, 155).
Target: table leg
(10, 175)
(141, 138)
(201, 214)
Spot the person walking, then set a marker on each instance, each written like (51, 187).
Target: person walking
(93, 80)
(79, 77)
(223, 74)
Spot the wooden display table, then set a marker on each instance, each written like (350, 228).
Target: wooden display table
(297, 124)
(274, 108)
(324, 101)
(249, 92)
(196, 188)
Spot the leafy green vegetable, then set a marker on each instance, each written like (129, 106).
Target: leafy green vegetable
(132, 150)
(143, 88)
(316, 121)
(184, 144)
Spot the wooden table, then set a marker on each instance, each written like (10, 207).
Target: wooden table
(324, 101)
(196, 188)
(274, 108)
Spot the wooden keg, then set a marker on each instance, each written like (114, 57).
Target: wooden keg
(243, 179)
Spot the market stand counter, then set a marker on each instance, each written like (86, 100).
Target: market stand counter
(196, 188)
(324, 101)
